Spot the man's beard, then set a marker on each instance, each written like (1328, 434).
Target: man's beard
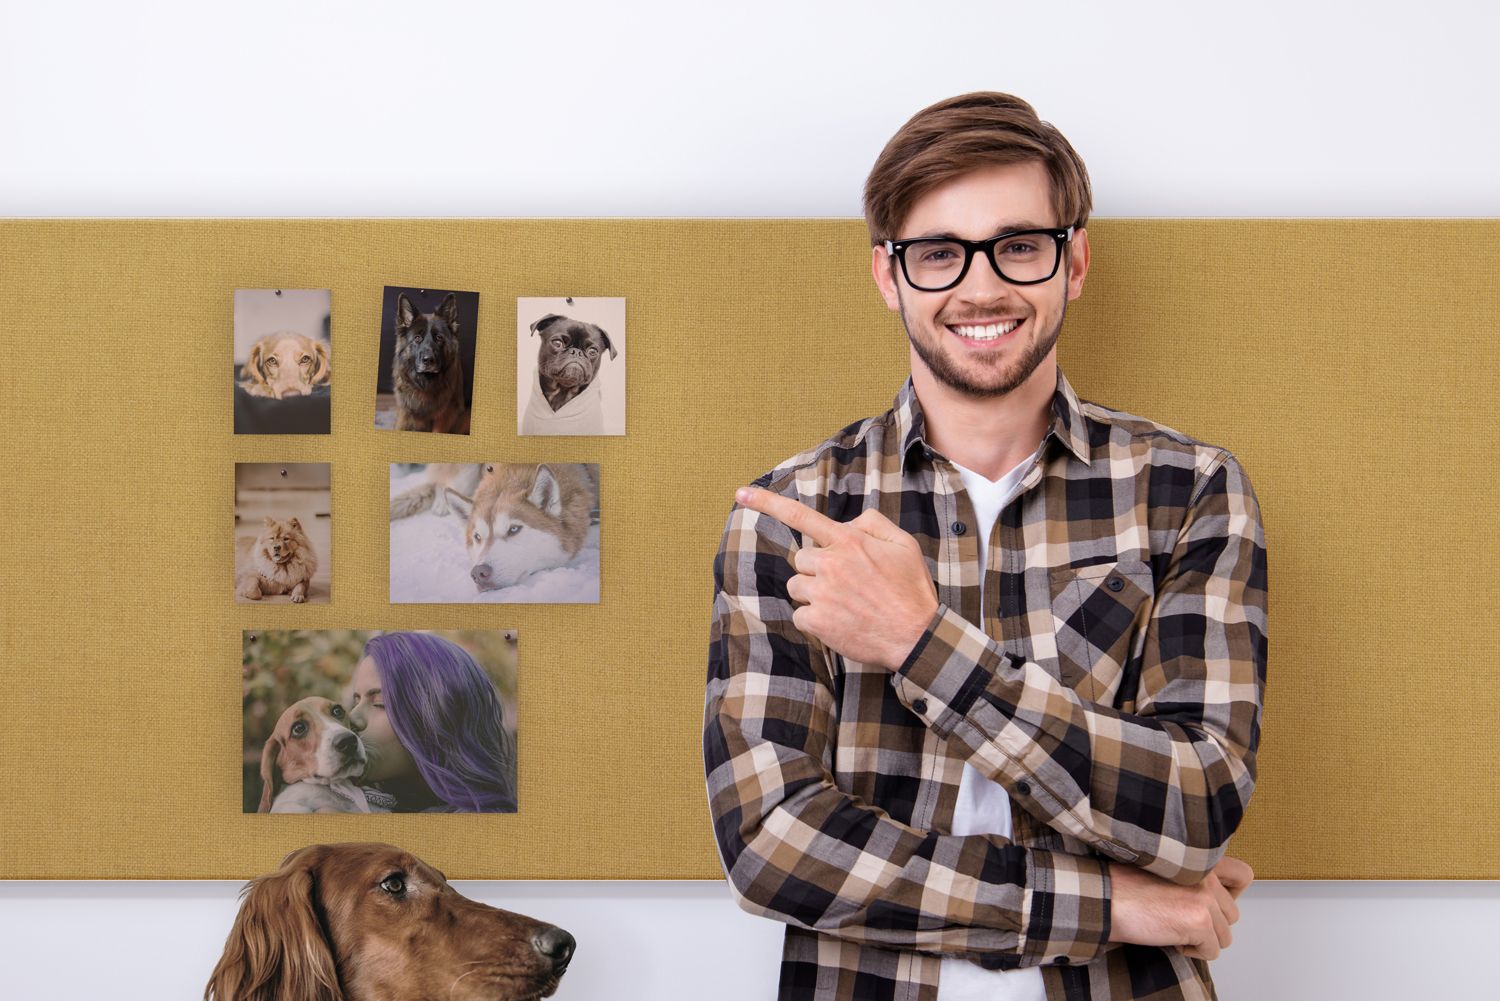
(940, 364)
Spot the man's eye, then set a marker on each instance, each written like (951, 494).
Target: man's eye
(394, 884)
(299, 729)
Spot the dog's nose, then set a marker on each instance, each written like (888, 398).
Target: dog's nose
(344, 742)
(481, 574)
(556, 944)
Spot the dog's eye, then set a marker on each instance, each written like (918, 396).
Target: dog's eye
(513, 530)
(593, 351)
(338, 712)
(306, 360)
(271, 363)
(299, 729)
(394, 884)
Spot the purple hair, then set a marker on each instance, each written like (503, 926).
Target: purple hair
(447, 715)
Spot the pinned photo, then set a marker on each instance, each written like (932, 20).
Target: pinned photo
(362, 721)
(570, 366)
(426, 374)
(283, 532)
(495, 532)
(283, 361)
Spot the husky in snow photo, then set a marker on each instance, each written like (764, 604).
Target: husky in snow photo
(505, 532)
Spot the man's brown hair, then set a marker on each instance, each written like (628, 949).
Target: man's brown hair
(961, 134)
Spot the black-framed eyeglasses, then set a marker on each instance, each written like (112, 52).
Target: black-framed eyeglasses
(1022, 257)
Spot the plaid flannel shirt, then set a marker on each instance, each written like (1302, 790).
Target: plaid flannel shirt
(1112, 684)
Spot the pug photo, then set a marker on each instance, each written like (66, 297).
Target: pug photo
(570, 366)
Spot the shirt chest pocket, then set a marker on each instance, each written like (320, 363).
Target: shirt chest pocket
(1099, 612)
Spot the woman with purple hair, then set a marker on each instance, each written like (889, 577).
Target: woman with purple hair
(433, 727)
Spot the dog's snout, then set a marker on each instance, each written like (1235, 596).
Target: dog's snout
(556, 944)
(345, 743)
(482, 573)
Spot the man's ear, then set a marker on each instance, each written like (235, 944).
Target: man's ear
(1078, 262)
(882, 267)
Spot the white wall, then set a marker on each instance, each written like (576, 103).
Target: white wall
(687, 109)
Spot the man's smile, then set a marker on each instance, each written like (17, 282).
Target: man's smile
(986, 332)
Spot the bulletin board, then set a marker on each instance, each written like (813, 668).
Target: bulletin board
(1350, 365)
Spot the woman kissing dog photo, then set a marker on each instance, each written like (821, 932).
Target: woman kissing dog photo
(283, 532)
(283, 361)
(360, 721)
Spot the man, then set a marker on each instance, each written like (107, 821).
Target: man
(986, 670)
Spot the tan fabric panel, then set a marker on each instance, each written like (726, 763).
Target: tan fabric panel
(1349, 364)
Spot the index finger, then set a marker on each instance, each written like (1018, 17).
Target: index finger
(794, 515)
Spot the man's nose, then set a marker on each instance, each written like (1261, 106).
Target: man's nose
(983, 282)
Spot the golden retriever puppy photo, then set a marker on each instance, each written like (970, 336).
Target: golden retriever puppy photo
(283, 361)
(283, 532)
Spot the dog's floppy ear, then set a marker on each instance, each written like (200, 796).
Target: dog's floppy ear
(268, 756)
(276, 950)
(539, 325)
(545, 493)
(323, 369)
(607, 342)
(449, 310)
(405, 314)
(252, 372)
(458, 502)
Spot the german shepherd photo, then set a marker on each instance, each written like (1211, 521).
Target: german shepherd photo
(427, 360)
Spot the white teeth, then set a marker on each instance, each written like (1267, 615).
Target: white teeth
(989, 331)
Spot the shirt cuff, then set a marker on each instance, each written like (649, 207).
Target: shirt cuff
(1067, 908)
(945, 672)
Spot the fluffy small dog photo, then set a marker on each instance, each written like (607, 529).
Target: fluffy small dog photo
(495, 532)
(570, 366)
(283, 532)
(365, 721)
(283, 361)
(425, 378)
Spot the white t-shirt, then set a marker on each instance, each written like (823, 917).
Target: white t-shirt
(984, 806)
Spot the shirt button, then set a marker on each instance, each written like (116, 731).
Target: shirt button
(1115, 584)
(919, 706)
(1024, 788)
(959, 528)
(1060, 961)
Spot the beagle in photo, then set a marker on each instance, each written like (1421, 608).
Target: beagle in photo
(311, 760)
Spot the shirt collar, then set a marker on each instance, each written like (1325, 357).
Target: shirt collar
(1068, 423)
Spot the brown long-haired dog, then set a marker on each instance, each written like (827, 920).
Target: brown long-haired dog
(356, 922)
(427, 371)
(286, 364)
